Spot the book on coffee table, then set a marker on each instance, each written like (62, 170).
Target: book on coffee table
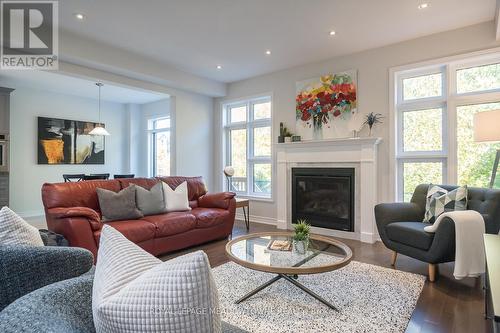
(280, 245)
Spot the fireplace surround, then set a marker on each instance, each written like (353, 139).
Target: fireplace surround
(357, 153)
(324, 197)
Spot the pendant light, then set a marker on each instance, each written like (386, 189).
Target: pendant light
(99, 130)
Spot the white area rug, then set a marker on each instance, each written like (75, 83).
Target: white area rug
(370, 299)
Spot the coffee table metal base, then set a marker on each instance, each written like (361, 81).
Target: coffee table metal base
(293, 280)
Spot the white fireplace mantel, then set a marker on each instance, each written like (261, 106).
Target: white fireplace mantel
(359, 153)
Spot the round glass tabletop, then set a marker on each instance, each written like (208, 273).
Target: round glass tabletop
(274, 252)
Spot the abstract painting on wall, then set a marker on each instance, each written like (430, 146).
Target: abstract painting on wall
(326, 106)
(63, 141)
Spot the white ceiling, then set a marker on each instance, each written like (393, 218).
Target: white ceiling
(197, 35)
(63, 84)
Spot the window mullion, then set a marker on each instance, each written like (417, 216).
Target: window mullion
(250, 150)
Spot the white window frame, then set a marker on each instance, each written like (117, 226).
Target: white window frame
(449, 101)
(152, 132)
(249, 125)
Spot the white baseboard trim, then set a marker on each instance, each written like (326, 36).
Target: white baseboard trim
(31, 214)
(257, 219)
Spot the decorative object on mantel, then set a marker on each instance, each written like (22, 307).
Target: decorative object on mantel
(325, 105)
(486, 130)
(229, 172)
(285, 134)
(99, 129)
(371, 119)
(296, 138)
(301, 236)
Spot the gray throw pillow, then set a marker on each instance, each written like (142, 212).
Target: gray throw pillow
(150, 202)
(440, 201)
(118, 206)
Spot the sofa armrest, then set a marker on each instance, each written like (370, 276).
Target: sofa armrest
(24, 269)
(216, 200)
(85, 212)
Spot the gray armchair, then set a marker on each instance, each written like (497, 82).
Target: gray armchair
(49, 289)
(401, 228)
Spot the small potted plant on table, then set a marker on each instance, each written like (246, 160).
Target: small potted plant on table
(301, 236)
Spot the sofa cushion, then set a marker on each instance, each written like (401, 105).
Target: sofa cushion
(209, 217)
(411, 234)
(196, 186)
(176, 200)
(150, 202)
(135, 292)
(118, 206)
(146, 183)
(135, 230)
(172, 223)
(77, 194)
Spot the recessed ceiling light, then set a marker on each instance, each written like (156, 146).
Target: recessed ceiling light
(268, 52)
(79, 16)
(332, 33)
(219, 67)
(423, 5)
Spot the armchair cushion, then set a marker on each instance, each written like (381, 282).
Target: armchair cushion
(61, 307)
(440, 200)
(411, 234)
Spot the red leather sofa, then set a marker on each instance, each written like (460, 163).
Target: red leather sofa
(72, 209)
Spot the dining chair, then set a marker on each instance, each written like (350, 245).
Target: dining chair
(97, 176)
(73, 177)
(124, 176)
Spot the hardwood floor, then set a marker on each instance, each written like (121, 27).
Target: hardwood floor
(447, 305)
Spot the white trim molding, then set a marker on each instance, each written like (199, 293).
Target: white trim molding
(257, 219)
(358, 153)
(497, 21)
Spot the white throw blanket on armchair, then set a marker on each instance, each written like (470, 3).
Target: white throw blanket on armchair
(469, 249)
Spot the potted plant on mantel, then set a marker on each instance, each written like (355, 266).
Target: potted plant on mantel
(300, 238)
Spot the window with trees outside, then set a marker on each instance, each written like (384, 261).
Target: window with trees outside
(434, 120)
(248, 145)
(159, 146)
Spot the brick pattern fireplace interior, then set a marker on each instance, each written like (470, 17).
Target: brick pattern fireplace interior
(324, 197)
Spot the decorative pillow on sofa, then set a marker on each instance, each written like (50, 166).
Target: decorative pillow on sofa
(136, 292)
(150, 202)
(16, 231)
(176, 200)
(440, 201)
(118, 206)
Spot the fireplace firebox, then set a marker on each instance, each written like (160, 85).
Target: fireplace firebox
(324, 197)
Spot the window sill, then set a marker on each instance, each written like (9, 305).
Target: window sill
(254, 198)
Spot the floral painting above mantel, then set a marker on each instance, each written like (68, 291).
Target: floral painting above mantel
(326, 105)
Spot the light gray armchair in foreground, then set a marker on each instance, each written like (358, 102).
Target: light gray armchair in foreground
(49, 289)
(401, 228)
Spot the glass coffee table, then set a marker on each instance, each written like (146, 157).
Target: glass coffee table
(254, 251)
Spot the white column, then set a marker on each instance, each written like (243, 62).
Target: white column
(368, 195)
(282, 188)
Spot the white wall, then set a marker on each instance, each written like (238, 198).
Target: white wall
(373, 90)
(138, 118)
(191, 137)
(194, 123)
(26, 176)
(192, 113)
